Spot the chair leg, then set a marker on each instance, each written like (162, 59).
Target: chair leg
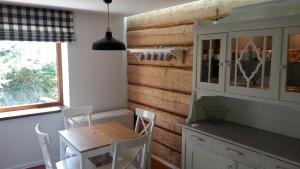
(149, 163)
(62, 150)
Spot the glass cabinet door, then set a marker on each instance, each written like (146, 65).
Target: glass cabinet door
(210, 61)
(251, 62)
(291, 65)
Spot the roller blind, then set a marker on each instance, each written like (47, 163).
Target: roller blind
(18, 23)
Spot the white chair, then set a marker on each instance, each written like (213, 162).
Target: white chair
(77, 116)
(45, 142)
(144, 125)
(139, 144)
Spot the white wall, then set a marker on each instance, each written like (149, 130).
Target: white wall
(19, 147)
(95, 78)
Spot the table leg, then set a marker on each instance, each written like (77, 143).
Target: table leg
(62, 149)
(83, 160)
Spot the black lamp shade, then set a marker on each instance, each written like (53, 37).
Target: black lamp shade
(108, 43)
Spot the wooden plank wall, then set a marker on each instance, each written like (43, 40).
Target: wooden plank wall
(164, 87)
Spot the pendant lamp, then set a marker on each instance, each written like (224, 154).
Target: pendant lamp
(109, 42)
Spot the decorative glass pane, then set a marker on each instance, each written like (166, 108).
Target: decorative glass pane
(215, 58)
(210, 56)
(251, 62)
(233, 61)
(205, 60)
(293, 64)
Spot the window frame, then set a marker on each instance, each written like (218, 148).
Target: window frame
(59, 85)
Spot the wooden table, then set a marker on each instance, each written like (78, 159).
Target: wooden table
(93, 140)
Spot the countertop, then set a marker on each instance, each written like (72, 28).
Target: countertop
(272, 144)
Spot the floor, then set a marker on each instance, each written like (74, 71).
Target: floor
(155, 165)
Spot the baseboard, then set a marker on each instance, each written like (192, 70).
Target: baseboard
(29, 165)
(164, 162)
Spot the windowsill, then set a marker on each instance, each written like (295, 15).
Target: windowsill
(30, 112)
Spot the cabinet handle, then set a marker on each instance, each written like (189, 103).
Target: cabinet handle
(232, 151)
(221, 64)
(230, 167)
(197, 138)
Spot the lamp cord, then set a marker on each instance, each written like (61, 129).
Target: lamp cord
(108, 27)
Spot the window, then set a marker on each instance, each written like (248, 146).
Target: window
(30, 75)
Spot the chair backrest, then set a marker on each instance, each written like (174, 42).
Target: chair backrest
(77, 116)
(45, 141)
(142, 116)
(149, 117)
(141, 146)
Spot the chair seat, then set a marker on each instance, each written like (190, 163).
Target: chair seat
(73, 163)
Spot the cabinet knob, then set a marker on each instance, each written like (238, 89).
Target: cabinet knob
(221, 63)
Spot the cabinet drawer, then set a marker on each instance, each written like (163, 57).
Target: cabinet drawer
(198, 138)
(239, 153)
(272, 163)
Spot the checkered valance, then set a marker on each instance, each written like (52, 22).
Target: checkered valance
(19, 23)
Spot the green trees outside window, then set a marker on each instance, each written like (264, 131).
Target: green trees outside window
(28, 73)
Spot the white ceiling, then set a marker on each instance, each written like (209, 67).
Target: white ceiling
(124, 7)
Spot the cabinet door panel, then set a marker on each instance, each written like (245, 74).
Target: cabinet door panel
(252, 59)
(200, 158)
(290, 65)
(211, 53)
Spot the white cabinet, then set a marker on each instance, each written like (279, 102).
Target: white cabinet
(243, 62)
(290, 65)
(204, 151)
(200, 158)
(253, 62)
(211, 54)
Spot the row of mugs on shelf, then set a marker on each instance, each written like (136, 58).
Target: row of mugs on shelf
(153, 56)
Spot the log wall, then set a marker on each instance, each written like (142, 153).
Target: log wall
(164, 87)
